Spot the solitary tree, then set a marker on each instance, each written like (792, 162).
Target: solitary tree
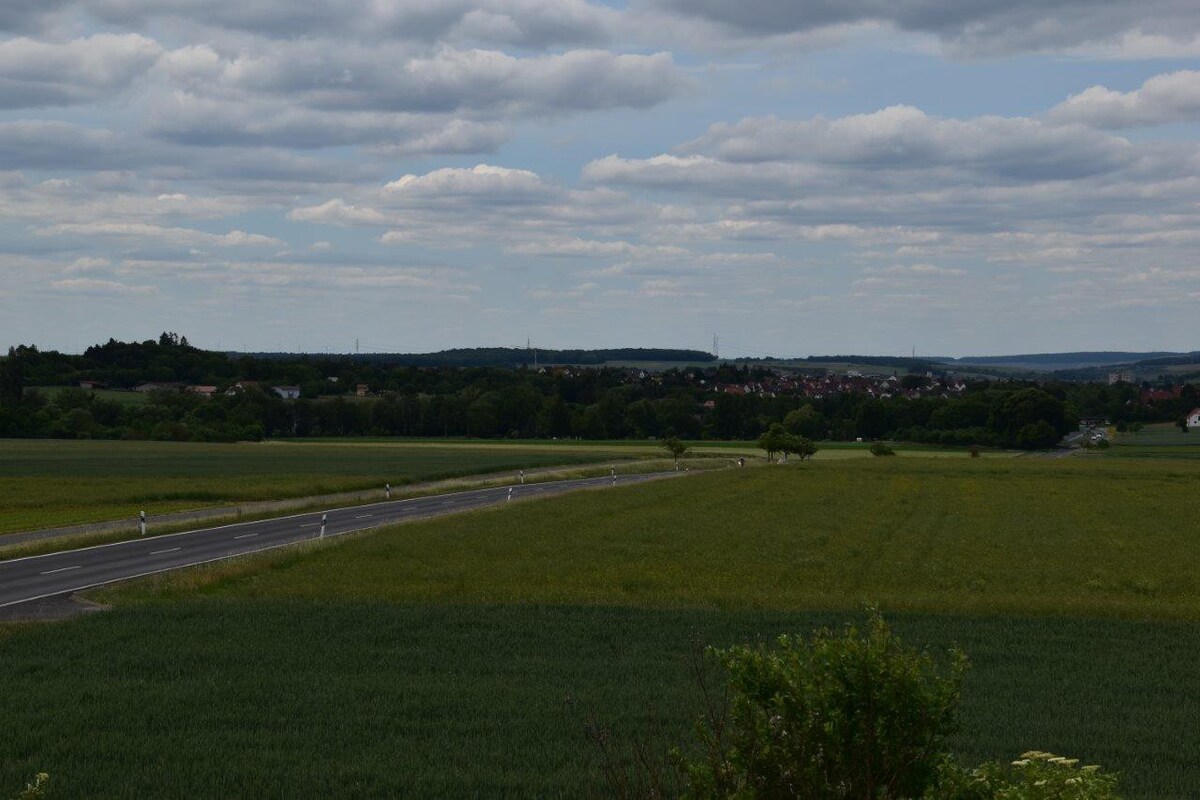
(773, 440)
(674, 447)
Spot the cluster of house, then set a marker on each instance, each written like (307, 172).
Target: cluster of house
(780, 384)
(286, 392)
(880, 387)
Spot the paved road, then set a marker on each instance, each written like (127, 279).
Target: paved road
(27, 579)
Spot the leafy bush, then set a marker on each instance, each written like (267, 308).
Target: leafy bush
(856, 715)
(881, 449)
(837, 718)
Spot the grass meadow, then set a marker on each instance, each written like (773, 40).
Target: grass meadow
(47, 483)
(1164, 441)
(461, 656)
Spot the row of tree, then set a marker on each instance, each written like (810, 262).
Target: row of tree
(1027, 417)
(590, 403)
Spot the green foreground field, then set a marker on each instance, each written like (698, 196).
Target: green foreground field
(292, 699)
(436, 658)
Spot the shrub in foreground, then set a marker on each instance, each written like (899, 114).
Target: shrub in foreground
(839, 718)
(856, 715)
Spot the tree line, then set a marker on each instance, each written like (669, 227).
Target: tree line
(493, 402)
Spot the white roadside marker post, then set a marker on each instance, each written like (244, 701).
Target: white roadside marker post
(522, 477)
(387, 489)
(141, 523)
(509, 500)
(324, 519)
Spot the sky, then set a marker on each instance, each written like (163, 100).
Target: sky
(950, 177)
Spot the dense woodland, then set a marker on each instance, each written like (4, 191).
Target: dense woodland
(522, 402)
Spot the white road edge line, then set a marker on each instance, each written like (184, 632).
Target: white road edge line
(61, 569)
(212, 560)
(464, 493)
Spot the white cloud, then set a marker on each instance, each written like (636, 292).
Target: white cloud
(1173, 97)
(963, 29)
(142, 232)
(481, 183)
(323, 93)
(87, 264)
(531, 24)
(906, 138)
(338, 212)
(35, 73)
(95, 286)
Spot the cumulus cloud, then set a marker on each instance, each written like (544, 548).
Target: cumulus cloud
(903, 137)
(987, 28)
(322, 93)
(337, 212)
(28, 16)
(44, 144)
(530, 24)
(142, 231)
(35, 73)
(97, 286)
(1163, 99)
(481, 183)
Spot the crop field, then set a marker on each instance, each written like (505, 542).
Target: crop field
(461, 656)
(46, 483)
(1157, 441)
(293, 699)
(1007, 536)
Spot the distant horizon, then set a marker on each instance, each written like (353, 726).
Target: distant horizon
(919, 356)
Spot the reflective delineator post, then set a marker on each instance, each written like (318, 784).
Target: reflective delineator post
(141, 523)
(324, 519)
(522, 477)
(509, 500)
(387, 489)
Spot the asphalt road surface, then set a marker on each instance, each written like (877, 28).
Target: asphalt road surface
(23, 580)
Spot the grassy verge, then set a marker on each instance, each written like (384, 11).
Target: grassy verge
(41, 547)
(206, 699)
(51, 483)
